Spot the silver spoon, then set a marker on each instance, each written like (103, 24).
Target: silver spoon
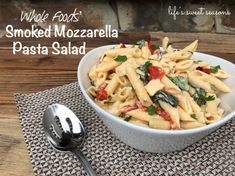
(65, 132)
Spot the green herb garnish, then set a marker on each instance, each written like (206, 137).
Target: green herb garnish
(151, 110)
(181, 82)
(128, 118)
(193, 116)
(214, 69)
(141, 43)
(166, 97)
(120, 58)
(200, 96)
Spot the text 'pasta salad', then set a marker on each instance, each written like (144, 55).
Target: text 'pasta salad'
(158, 87)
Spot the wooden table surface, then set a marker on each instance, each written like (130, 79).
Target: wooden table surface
(25, 74)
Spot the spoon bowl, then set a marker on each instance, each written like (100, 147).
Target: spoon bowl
(65, 132)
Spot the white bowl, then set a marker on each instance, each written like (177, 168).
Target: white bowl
(154, 140)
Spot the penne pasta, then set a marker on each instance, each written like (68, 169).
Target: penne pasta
(138, 87)
(174, 113)
(165, 42)
(92, 90)
(159, 124)
(198, 80)
(153, 86)
(123, 81)
(141, 115)
(145, 52)
(130, 102)
(139, 122)
(183, 65)
(135, 52)
(121, 69)
(101, 78)
(154, 57)
(221, 74)
(200, 117)
(168, 84)
(112, 85)
(192, 103)
(184, 103)
(212, 80)
(177, 55)
(211, 118)
(190, 125)
(212, 106)
(115, 108)
(93, 73)
(107, 66)
(191, 47)
(170, 49)
(184, 116)
(123, 93)
(158, 87)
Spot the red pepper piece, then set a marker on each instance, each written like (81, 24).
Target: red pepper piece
(164, 114)
(101, 94)
(150, 46)
(204, 69)
(155, 72)
(129, 108)
(122, 45)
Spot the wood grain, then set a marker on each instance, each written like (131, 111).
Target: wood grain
(25, 74)
(14, 158)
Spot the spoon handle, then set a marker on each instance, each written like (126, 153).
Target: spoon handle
(85, 163)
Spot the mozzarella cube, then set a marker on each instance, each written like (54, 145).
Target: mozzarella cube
(153, 86)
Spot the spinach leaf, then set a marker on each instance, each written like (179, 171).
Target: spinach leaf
(144, 68)
(166, 97)
(181, 82)
(200, 96)
(147, 64)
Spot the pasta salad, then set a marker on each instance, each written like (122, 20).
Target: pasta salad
(158, 87)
